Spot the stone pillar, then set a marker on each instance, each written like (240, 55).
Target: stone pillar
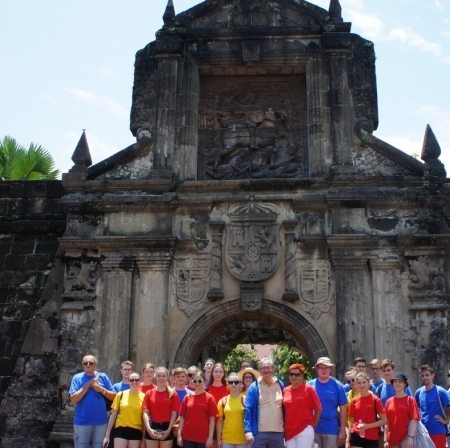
(354, 312)
(215, 279)
(290, 273)
(116, 313)
(165, 115)
(185, 153)
(338, 51)
(388, 310)
(320, 155)
(151, 302)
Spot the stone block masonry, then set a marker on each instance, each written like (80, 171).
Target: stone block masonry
(31, 220)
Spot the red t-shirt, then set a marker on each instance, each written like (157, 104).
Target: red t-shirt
(146, 388)
(160, 406)
(299, 406)
(399, 412)
(367, 410)
(218, 392)
(196, 411)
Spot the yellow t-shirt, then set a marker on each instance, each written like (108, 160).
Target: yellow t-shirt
(233, 422)
(129, 411)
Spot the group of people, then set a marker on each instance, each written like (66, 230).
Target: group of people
(194, 408)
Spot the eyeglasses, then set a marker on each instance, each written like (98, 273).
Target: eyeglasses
(134, 380)
(190, 375)
(197, 381)
(88, 363)
(375, 368)
(234, 383)
(351, 381)
(294, 374)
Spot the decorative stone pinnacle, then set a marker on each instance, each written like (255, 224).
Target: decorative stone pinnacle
(335, 11)
(169, 13)
(82, 155)
(430, 148)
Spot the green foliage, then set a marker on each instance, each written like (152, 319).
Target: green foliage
(19, 163)
(283, 357)
(237, 355)
(415, 155)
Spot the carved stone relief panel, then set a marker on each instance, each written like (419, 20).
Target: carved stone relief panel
(252, 250)
(191, 283)
(255, 13)
(426, 276)
(252, 127)
(80, 284)
(316, 287)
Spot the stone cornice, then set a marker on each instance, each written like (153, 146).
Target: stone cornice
(104, 244)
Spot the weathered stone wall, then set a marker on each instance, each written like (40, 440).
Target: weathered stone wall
(31, 220)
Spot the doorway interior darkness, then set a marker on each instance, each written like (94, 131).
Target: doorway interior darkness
(220, 329)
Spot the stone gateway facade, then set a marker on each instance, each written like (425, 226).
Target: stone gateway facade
(255, 197)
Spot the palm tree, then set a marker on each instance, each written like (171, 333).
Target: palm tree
(19, 163)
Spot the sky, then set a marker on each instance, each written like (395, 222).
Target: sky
(68, 65)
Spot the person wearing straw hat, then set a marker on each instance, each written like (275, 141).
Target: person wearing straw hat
(247, 376)
(330, 430)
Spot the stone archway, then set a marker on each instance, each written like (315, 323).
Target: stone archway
(304, 336)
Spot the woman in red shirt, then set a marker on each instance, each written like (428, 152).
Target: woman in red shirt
(363, 415)
(218, 386)
(148, 373)
(197, 416)
(302, 409)
(402, 415)
(160, 406)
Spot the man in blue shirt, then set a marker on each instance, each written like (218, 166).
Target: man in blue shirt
(375, 370)
(433, 401)
(386, 390)
(126, 369)
(88, 391)
(330, 431)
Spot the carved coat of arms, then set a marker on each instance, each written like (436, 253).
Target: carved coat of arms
(316, 288)
(253, 241)
(192, 284)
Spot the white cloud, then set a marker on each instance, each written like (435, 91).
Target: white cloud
(445, 33)
(439, 5)
(103, 102)
(371, 25)
(409, 37)
(49, 98)
(108, 74)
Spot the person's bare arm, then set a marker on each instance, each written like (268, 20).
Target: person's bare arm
(342, 424)
(80, 393)
(317, 414)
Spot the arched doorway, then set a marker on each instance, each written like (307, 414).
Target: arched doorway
(303, 334)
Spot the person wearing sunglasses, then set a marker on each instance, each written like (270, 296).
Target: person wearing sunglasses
(263, 418)
(302, 409)
(248, 375)
(126, 417)
(230, 424)
(191, 372)
(160, 411)
(87, 392)
(197, 416)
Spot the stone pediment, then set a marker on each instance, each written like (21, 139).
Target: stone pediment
(220, 16)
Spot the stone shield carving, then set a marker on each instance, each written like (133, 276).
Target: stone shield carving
(253, 241)
(316, 288)
(192, 284)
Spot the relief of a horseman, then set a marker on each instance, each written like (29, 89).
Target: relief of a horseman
(247, 124)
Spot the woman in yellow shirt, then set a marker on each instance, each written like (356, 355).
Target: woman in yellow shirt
(230, 409)
(126, 413)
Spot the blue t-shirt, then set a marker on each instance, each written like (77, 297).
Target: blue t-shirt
(387, 391)
(429, 406)
(91, 409)
(331, 395)
(377, 384)
(181, 394)
(120, 387)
